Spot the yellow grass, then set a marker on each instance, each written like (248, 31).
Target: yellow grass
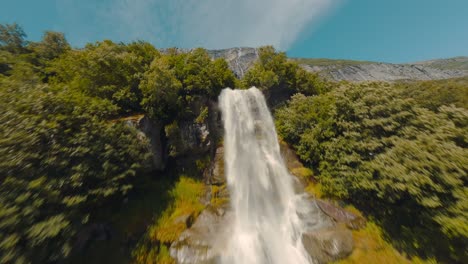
(186, 193)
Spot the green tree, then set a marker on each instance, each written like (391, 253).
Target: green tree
(160, 89)
(12, 38)
(107, 70)
(280, 78)
(60, 162)
(53, 45)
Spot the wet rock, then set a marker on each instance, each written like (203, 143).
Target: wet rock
(328, 245)
(340, 215)
(295, 167)
(203, 242)
(217, 176)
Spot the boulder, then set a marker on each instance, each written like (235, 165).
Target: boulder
(327, 245)
(203, 243)
(340, 215)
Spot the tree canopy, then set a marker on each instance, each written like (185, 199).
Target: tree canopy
(376, 146)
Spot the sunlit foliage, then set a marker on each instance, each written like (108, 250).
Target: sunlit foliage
(377, 146)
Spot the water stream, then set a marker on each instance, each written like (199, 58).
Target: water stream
(269, 218)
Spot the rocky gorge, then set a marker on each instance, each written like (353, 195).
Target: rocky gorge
(204, 240)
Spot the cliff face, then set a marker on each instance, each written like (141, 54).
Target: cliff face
(384, 72)
(241, 59)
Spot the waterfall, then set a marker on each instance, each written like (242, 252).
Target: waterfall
(268, 216)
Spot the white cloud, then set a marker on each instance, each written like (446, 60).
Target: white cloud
(213, 23)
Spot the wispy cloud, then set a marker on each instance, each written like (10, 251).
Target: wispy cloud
(212, 23)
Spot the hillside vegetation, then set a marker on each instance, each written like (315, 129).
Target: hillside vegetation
(64, 158)
(65, 155)
(457, 63)
(397, 151)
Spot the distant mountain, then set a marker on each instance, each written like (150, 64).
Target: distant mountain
(456, 63)
(378, 71)
(241, 59)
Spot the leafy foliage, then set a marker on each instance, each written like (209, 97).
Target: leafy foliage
(177, 80)
(434, 94)
(273, 72)
(65, 155)
(12, 38)
(53, 45)
(60, 162)
(61, 157)
(373, 144)
(107, 70)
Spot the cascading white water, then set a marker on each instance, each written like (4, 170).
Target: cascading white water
(268, 217)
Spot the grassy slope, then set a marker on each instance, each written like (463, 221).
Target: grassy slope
(457, 63)
(328, 62)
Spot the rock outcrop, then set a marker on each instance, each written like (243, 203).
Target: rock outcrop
(150, 130)
(239, 59)
(215, 174)
(203, 243)
(328, 245)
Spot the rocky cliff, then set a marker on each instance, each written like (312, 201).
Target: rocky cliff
(384, 72)
(239, 59)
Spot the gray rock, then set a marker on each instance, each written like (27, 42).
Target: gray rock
(151, 130)
(216, 173)
(239, 59)
(203, 242)
(190, 138)
(341, 215)
(328, 245)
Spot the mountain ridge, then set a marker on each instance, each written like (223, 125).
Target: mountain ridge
(242, 58)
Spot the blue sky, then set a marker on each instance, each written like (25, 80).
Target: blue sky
(378, 30)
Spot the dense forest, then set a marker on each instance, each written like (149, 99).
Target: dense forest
(397, 151)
